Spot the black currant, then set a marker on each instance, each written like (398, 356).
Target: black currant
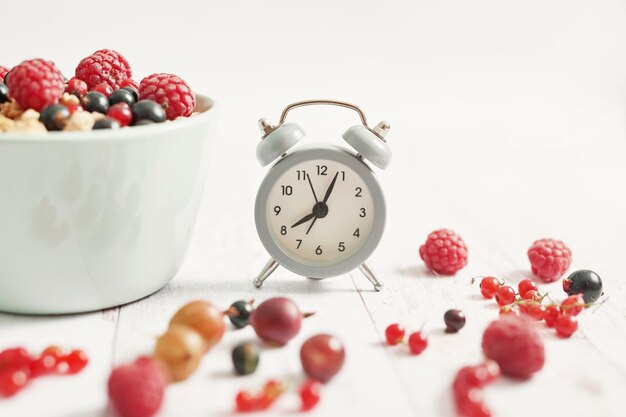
(148, 109)
(106, 123)
(143, 122)
(54, 117)
(455, 320)
(131, 90)
(4, 93)
(122, 96)
(6, 78)
(239, 313)
(246, 358)
(584, 282)
(95, 102)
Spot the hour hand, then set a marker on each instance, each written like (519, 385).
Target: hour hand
(303, 220)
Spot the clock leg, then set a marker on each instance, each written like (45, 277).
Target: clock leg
(267, 270)
(371, 276)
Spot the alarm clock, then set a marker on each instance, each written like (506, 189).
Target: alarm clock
(320, 211)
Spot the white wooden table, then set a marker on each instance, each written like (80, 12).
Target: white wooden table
(508, 125)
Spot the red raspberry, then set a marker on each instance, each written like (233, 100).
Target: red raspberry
(444, 252)
(171, 92)
(3, 72)
(515, 346)
(137, 389)
(104, 66)
(549, 259)
(36, 84)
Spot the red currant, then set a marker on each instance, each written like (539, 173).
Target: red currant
(77, 87)
(73, 108)
(103, 88)
(505, 295)
(15, 358)
(536, 311)
(566, 325)
(394, 333)
(76, 361)
(573, 305)
(12, 380)
(509, 310)
(532, 295)
(129, 82)
(244, 401)
(417, 343)
(552, 312)
(470, 404)
(310, 393)
(489, 286)
(122, 113)
(43, 365)
(526, 285)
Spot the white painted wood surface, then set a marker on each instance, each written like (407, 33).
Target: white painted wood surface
(508, 125)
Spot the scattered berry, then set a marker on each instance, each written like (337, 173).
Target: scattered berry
(573, 305)
(36, 84)
(549, 259)
(515, 346)
(130, 83)
(106, 123)
(489, 286)
(3, 72)
(566, 325)
(244, 401)
(122, 96)
(76, 87)
(477, 376)
(551, 314)
(137, 389)
(17, 357)
(505, 295)
(584, 282)
(532, 295)
(526, 285)
(171, 92)
(180, 349)
(535, 310)
(76, 361)
(245, 358)
(394, 334)
(134, 92)
(310, 393)
(239, 313)
(444, 252)
(4, 93)
(12, 380)
(55, 116)
(104, 66)
(95, 102)
(276, 320)
(322, 357)
(455, 320)
(148, 110)
(104, 89)
(417, 343)
(121, 112)
(508, 311)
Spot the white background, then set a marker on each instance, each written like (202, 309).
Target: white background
(508, 125)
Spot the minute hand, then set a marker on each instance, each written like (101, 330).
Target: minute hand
(330, 187)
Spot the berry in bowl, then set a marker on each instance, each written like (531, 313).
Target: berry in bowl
(100, 182)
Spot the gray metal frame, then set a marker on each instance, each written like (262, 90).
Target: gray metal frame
(332, 153)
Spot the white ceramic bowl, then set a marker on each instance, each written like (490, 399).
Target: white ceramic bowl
(90, 220)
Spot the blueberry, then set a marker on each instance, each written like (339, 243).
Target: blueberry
(131, 90)
(148, 109)
(122, 96)
(246, 358)
(584, 282)
(4, 93)
(106, 123)
(54, 117)
(94, 101)
(239, 313)
(455, 320)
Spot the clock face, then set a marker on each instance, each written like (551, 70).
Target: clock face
(319, 212)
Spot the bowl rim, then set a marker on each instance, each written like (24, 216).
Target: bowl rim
(107, 135)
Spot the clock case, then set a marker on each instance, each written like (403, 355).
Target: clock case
(369, 144)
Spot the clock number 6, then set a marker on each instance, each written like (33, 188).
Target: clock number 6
(318, 251)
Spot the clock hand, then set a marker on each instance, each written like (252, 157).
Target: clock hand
(312, 223)
(330, 188)
(303, 220)
(308, 177)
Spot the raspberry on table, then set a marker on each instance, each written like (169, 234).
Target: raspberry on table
(515, 346)
(444, 252)
(104, 66)
(171, 92)
(549, 259)
(137, 389)
(36, 84)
